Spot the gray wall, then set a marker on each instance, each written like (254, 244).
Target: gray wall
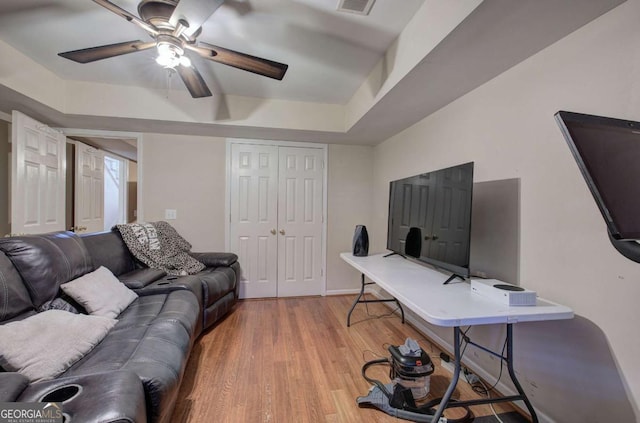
(585, 369)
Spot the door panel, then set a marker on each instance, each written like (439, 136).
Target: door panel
(277, 219)
(253, 223)
(38, 179)
(89, 192)
(300, 222)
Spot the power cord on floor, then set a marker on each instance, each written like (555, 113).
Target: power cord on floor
(366, 306)
(493, 410)
(483, 390)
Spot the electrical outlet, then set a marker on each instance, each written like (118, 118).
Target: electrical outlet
(170, 214)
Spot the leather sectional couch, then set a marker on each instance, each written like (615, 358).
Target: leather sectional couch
(133, 374)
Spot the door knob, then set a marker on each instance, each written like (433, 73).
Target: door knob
(281, 231)
(273, 231)
(435, 237)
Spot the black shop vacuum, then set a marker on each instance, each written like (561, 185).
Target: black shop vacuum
(410, 370)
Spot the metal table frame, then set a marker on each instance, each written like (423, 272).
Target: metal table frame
(508, 359)
(359, 300)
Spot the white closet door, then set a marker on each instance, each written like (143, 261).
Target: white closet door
(38, 177)
(276, 223)
(89, 189)
(253, 223)
(300, 215)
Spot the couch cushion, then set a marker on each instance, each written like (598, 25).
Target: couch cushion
(46, 261)
(153, 339)
(11, 385)
(217, 283)
(44, 345)
(14, 297)
(100, 293)
(109, 250)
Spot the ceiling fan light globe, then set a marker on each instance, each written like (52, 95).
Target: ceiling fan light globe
(165, 60)
(185, 61)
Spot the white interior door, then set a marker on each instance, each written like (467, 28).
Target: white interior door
(89, 189)
(276, 222)
(300, 215)
(253, 222)
(38, 177)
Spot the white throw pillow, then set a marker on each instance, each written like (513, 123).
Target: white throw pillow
(100, 293)
(46, 344)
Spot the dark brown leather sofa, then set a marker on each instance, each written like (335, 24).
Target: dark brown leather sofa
(134, 373)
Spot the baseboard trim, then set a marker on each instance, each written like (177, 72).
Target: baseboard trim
(342, 291)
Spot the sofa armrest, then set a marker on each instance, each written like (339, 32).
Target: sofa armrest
(102, 397)
(139, 278)
(215, 259)
(11, 386)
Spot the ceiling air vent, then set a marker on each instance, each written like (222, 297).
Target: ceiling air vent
(361, 7)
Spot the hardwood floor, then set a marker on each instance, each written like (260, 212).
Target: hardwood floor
(294, 360)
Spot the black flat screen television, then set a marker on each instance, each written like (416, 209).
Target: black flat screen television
(430, 218)
(607, 152)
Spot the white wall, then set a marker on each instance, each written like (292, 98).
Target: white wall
(349, 191)
(584, 370)
(186, 173)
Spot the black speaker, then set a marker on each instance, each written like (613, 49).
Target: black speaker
(413, 243)
(360, 241)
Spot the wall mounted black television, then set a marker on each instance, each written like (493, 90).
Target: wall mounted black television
(430, 218)
(607, 152)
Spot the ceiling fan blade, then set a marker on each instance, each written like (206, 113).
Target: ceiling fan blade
(242, 61)
(195, 12)
(87, 55)
(128, 16)
(194, 82)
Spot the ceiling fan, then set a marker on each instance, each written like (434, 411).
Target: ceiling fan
(174, 26)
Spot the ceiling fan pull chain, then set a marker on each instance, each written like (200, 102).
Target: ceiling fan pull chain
(169, 75)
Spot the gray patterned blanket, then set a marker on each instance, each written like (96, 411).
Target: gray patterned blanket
(159, 246)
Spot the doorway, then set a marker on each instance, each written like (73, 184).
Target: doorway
(101, 187)
(115, 191)
(117, 144)
(277, 208)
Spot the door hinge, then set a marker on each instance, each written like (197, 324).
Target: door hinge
(321, 272)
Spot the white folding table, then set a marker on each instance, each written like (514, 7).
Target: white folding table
(421, 289)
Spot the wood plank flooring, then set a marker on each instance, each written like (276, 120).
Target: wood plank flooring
(294, 360)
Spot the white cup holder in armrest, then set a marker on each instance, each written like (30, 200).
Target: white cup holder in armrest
(62, 394)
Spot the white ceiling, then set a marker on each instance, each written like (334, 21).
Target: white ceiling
(329, 53)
